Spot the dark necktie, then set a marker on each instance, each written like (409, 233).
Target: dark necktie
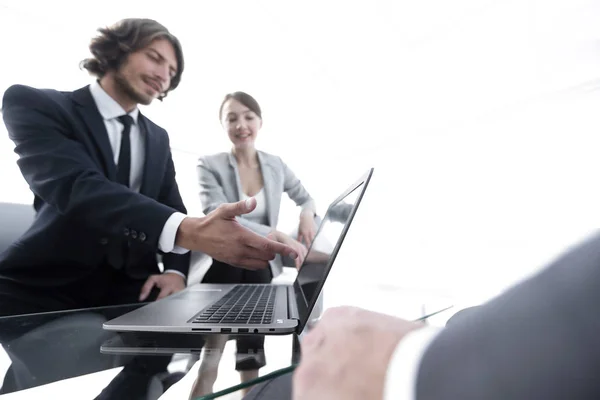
(117, 254)
(124, 164)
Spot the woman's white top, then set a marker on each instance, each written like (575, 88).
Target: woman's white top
(259, 214)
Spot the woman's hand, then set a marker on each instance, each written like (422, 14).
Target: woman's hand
(307, 228)
(298, 247)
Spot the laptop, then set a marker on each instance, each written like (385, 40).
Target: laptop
(264, 309)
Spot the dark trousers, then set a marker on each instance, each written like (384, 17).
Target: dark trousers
(250, 349)
(104, 286)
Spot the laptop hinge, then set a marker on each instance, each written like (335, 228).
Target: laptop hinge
(292, 306)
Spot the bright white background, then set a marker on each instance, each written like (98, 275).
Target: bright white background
(480, 118)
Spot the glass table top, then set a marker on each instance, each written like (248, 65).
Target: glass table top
(46, 348)
(48, 355)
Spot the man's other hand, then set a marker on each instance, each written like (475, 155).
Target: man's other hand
(168, 283)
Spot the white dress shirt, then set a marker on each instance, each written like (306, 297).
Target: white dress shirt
(110, 110)
(403, 369)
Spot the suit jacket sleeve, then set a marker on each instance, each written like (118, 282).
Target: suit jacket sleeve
(539, 340)
(59, 170)
(212, 195)
(170, 196)
(294, 188)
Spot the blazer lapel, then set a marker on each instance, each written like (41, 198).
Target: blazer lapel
(236, 176)
(87, 109)
(268, 178)
(150, 182)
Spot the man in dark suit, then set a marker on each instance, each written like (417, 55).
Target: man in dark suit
(104, 183)
(106, 197)
(538, 340)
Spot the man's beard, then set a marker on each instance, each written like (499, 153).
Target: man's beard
(126, 88)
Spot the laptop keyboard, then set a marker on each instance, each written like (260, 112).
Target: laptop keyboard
(244, 304)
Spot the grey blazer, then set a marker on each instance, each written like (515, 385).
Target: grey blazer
(219, 180)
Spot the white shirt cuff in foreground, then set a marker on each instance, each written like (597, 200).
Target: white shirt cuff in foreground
(402, 371)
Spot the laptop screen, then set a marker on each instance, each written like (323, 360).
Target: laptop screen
(325, 246)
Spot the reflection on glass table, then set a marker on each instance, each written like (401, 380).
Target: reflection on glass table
(283, 352)
(69, 352)
(50, 354)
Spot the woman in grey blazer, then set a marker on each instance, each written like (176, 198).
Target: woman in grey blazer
(243, 173)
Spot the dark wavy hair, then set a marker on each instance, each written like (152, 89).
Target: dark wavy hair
(243, 98)
(112, 46)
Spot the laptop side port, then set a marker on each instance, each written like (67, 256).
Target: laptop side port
(243, 330)
(225, 330)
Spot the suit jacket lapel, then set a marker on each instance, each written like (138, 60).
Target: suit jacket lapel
(268, 178)
(87, 109)
(150, 182)
(236, 176)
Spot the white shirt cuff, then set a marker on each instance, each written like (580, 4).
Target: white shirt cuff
(401, 376)
(166, 241)
(174, 271)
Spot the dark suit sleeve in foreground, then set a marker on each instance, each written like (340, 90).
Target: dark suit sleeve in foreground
(539, 340)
